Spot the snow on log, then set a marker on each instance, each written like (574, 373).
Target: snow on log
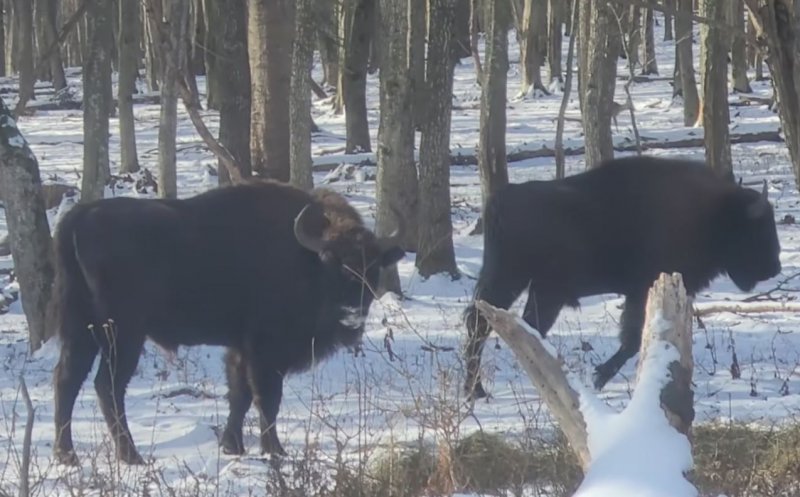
(643, 450)
(745, 307)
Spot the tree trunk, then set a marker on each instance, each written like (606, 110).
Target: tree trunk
(96, 100)
(634, 25)
(358, 27)
(778, 24)
(416, 40)
(230, 74)
(300, 98)
(436, 253)
(462, 30)
(683, 33)
(600, 79)
(532, 50)
(198, 39)
(555, 30)
(327, 35)
(668, 19)
(649, 64)
(474, 23)
(48, 33)
(23, 29)
(270, 33)
(214, 18)
(3, 42)
(738, 47)
(397, 175)
(29, 233)
(129, 29)
(153, 69)
(176, 14)
(715, 91)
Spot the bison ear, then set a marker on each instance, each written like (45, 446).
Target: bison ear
(392, 255)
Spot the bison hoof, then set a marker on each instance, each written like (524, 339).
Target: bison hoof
(601, 377)
(272, 447)
(231, 446)
(66, 457)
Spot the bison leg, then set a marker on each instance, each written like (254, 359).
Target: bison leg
(630, 338)
(78, 352)
(119, 360)
(267, 387)
(240, 397)
(499, 291)
(542, 309)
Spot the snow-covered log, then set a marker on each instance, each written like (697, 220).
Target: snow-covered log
(643, 450)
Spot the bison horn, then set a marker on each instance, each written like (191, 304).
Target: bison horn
(302, 233)
(397, 236)
(759, 207)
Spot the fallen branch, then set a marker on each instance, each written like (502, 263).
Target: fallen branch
(745, 308)
(24, 470)
(546, 373)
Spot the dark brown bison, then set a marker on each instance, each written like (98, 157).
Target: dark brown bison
(613, 229)
(278, 276)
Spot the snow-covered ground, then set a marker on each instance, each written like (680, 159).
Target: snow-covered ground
(354, 405)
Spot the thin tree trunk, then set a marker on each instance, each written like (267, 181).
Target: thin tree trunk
(599, 85)
(683, 33)
(153, 66)
(230, 74)
(129, 29)
(532, 50)
(436, 253)
(198, 39)
(559, 141)
(649, 64)
(555, 30)
(738, 47)
(416, 40)
(96, 100)
(715, 91)
(492, 134)
(358, 29)
(23, 27)
(270, 33)
(634, 25)
(474, 21)
(461, 30)
(397, 176)
(3, 42)
(29, 233)
(300, 98)
(668, 19)
(327, 35)
(177, 20)
(46, 16)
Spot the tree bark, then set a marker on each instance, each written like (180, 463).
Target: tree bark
(358, 20)
(270, 34)
(715, 111)
(96, 100)
(397, 175)
(600, 80)
(152, 62)
(559, 141)
(3, 42)
(555, 34)
(533, 45)
(649, 63)
(740, 81)
(29, 232)
(231, 77)
(214, 17)
(462, 30)
(300, 98)
(492, 135)
(48, 33)
(327, 36)
(129, 29)
(436, 253)
(174, 49)
(23, 30)
(416, 40)
(668, 20)
(683, 33)
(634, 25)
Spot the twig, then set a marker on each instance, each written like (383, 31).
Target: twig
(559, 145)
(627, 85)
(24, 470)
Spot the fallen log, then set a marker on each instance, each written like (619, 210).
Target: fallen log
(745, 307)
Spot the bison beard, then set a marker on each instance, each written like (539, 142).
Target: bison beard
(613, 229)
(278, 276)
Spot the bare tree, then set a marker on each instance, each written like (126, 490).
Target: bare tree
(357, 30)
(397, 174)
(176, 21)
(152, 62)
(300, 99)
(46, 36)
(668, 19)
(598, 79)
(231, 77)
(555, 33)
(533, 47)
(29, 233)
(739, 78)
(685, 62)
(128, 45)
(436, 253)
(23, 32)
(2, 41)
(649, 63)
(715, 111)
(270, 34)
(416, 40)
(96, 100)
(492, 134)
(633, 23)
(327, 15)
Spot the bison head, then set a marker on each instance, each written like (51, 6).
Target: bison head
(352, 256)
(753, 249)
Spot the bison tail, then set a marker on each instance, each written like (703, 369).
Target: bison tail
(71, 293)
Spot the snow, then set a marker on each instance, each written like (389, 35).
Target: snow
(354, 406)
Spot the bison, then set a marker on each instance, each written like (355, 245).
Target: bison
(613, 229)
(279, 276)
